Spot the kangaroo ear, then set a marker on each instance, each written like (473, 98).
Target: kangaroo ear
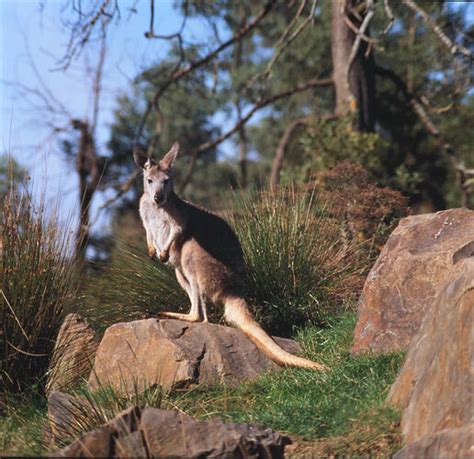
(140, 157)
(168, 160)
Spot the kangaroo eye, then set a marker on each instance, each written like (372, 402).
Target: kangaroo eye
(150, 181)
(165, 181)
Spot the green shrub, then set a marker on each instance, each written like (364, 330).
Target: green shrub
(130, 286)
(38, 279)
(299, 267)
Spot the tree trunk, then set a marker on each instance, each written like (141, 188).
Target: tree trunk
(87, 167)
(354, 84)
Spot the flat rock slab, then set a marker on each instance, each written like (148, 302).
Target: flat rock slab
(407, 276)
(173, 353)
(450, 443)
(435, 385)
(152, 432)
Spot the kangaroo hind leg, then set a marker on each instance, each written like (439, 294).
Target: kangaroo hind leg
(198, 311)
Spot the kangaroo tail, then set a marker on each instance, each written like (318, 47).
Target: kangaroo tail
(237, 313)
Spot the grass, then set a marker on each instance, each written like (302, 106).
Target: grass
(340, 412)
(299, 265)
(307, 403)
(130, 287)
(38, 281)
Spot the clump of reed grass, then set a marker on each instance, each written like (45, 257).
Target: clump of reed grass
(300, 268)
(38, 280)
(130, 286)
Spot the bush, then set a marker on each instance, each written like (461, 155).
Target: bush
(130, 286)
(38, 279)
(366, 211)
(297, 261)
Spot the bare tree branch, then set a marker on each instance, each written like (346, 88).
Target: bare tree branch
(463, 174)
(391, 17)
(261, 103)
(179, 74)
(360, 33)
(453, 48)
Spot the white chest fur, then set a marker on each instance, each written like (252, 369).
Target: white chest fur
(157, 223)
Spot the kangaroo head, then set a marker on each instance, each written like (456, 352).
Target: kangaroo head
(157, 177)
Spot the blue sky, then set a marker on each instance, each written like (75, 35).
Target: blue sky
(29, 31)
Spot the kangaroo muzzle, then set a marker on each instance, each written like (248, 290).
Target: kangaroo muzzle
(159, 198)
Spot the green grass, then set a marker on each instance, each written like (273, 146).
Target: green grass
(347, 399)
(342, 411)
(131, 287)
(299, 264)
(24, 425)
(38, 281)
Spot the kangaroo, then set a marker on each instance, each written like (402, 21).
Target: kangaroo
(205, 253)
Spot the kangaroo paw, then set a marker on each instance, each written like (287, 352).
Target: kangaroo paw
(164, 256)
(178, 316)
(151, 251)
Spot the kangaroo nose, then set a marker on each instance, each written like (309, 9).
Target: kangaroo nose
(158, 197)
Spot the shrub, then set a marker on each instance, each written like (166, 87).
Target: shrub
(297, 261)
(130, 286)
(366, 211)
(38, 280)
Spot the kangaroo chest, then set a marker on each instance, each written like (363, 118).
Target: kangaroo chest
(157, 223)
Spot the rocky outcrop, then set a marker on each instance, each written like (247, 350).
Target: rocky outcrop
(435, 385)
(174, 353)
(449, 443)
(64, 416)
(407, 276)
(151, 432)
(73, 354)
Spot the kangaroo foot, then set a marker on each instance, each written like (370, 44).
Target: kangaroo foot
(178, 316)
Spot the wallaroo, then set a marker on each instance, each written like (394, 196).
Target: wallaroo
(205, 253)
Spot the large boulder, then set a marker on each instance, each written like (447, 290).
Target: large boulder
(174, 353)
(73, 354)
(449, 443)
(407, 276)
(435, 385)
(151, 432)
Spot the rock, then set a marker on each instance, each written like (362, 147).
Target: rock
(169, 433)
(435, 385)
(73, 354)
(407, 276)
(174, 353)
(456, 443)
(63, 412)
(152, 432)
(109, 440)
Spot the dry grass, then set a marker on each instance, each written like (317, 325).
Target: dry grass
(38, 280)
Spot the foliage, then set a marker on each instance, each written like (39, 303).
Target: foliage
(366, 211)
(297, 260)
(324, 143)
(130, 287)
(22, 426)
(10, 175)
(38, 280)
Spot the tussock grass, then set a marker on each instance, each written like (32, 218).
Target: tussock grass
(130, 287)
(300, 268)
(38, 280)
